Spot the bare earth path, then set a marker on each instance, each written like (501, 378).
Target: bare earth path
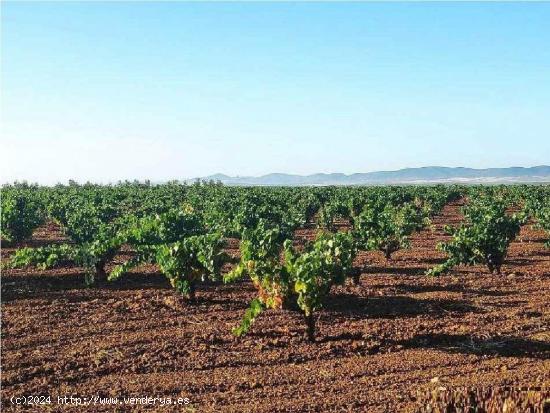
(379, 342)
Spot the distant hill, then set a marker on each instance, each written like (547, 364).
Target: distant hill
(428, 174)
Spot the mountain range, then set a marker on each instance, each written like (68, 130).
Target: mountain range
(424, 175)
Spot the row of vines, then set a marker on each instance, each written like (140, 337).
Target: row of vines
(184, 230)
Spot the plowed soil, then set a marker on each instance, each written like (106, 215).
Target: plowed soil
(378, 343)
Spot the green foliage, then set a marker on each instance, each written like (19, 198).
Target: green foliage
(146, 234)
(260, 260)
(543, 221)
(183, 229)
(21, 213)
(43, 257)
(482, 239)
(304, 277)
(163, 228)
(537, 206)
(337, 208)
(386, 227)
(179, 242)
(252, 312)
(314, 271)
(187, 261)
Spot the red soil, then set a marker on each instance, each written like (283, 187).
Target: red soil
(379, 343)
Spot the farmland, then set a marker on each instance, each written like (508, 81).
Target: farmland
(273, 299)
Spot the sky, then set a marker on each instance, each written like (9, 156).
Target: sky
(111, 91)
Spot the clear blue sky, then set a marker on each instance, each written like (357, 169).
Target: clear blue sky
(98, 91)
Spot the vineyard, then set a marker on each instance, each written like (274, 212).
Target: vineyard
(274, 299)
